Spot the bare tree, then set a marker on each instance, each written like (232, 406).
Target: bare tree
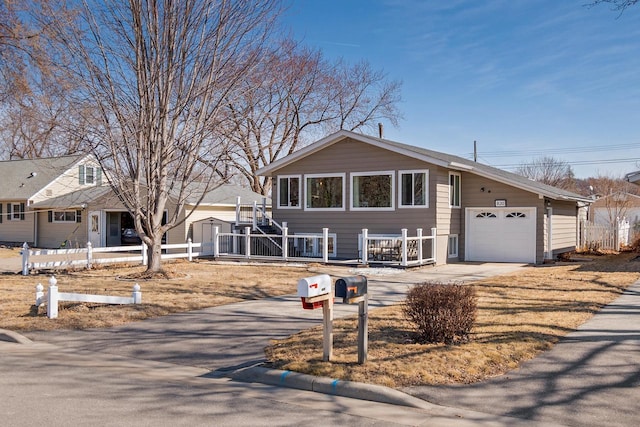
(618, 5)
(296, 95)
(35, 118)
(550, 171)
(157, 74)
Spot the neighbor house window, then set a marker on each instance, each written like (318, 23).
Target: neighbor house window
(372, 190)
(452, 250)
(15, 211)
(325, 191)
(413, 188)
(454, 190)
(89, 175)
(289, 191)
(64, 216)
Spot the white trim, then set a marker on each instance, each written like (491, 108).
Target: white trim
(426, 188)
(326, 175)
(389, 173)
(455, 253)
(459, 205)
(288, 206)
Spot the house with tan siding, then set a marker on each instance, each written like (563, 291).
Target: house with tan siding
(63, 202)
(27, 182)
(348, 182)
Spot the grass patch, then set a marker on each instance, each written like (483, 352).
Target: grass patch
(185, 286)
(519, 315)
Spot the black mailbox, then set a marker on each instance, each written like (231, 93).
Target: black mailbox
(351, 287)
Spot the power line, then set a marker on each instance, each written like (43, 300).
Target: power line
(564, 150)
(578, 162)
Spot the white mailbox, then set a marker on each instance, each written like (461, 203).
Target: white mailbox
(314, 286)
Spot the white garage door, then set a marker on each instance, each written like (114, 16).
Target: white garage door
(501, 234)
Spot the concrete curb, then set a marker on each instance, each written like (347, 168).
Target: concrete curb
(14, 337)
(355, 390)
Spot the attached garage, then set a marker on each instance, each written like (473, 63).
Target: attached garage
(501, 234)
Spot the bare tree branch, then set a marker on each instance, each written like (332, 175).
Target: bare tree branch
(157, 74)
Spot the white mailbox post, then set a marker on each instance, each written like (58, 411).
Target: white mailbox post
(315, 292)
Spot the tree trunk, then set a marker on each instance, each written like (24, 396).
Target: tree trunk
(154, 254)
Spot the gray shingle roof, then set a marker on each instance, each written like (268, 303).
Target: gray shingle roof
(21, 179)
(75, 199)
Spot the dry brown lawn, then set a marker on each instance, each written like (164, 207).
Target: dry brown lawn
(195, 285)
(519, 315)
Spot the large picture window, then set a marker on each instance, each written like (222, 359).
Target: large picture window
(289, 191)
(372, 190)
(454, 190)
(324, 191)
(414, 188)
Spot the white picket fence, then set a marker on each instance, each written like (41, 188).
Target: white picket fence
(595, 237)
(53, 297)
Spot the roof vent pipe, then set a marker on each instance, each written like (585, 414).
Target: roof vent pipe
(380, 130)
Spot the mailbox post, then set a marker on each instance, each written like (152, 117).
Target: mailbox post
(315, 292)
(353, 290)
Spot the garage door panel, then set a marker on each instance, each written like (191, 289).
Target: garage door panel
(501, 234)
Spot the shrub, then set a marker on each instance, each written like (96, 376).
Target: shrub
(441, 312)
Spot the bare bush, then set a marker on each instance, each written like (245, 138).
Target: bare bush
(441, 312)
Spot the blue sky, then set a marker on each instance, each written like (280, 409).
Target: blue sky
(523, 78)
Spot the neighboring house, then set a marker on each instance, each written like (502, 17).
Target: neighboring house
(609, 209)
(61, 202)
(27, 182)
(348, 182)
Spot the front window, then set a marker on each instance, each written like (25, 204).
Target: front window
(372, 190)
(413, 188)
(16, 211)
(64, 216)
(324, 191)
(289, 192)
(89, 175)
(454, 190)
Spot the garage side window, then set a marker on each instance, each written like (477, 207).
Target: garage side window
(372, 190)
(289, 191)
(413, 188)
(454, 190)
(325, 191)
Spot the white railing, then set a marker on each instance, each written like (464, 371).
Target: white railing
(53, 297)
(283, 246)
(398, 249)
